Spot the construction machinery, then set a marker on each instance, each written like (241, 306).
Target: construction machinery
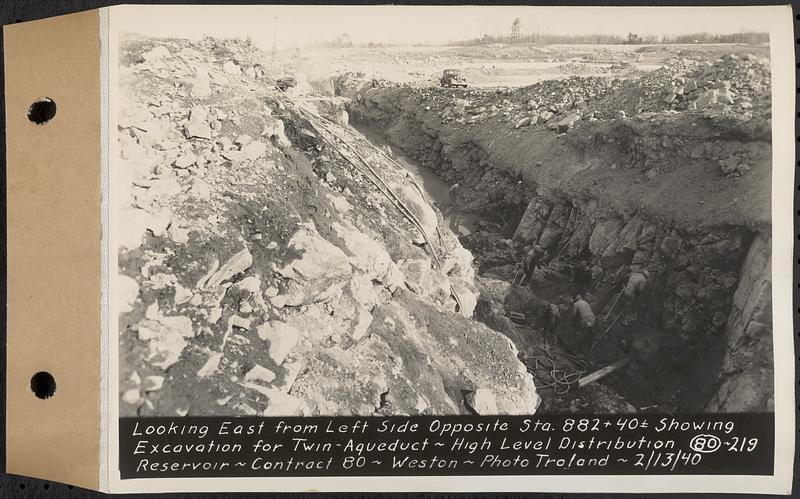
(453, 78)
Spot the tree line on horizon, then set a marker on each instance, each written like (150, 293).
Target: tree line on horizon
(630, 39)
(517, 37)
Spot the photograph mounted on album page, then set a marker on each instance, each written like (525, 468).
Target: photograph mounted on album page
(402, 248)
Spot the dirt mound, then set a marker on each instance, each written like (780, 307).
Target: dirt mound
(734, 86)
(720, 167)
(265, 274)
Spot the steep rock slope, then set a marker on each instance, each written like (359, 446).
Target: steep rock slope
(262, 273)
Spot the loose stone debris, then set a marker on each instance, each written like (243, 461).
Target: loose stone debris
(278, 263)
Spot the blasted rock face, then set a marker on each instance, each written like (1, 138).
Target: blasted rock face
(482, 402)
(422, 361)
(318, 273)
(256, 283)
(747, 366)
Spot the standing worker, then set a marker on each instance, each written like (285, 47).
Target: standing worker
(453, 208)
(586, 321)
(519, 274)
(532, 261)
(582, 276)
(553, 320)
(519, 269)
(453, 193)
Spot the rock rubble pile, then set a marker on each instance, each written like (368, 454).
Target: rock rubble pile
(262, 274)
(735, 87)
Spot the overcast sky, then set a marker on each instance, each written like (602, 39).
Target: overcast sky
(300, 25)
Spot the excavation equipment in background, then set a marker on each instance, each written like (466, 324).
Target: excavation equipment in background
(453, 78)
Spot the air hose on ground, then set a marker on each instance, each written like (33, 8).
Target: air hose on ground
(318, 123)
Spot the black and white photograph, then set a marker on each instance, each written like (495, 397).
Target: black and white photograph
(409, 211)
(401, 248)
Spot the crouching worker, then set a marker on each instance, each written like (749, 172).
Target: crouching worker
(586, 322)
(635, 286)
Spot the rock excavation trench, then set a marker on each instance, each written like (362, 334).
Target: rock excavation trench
(277, 262)
(656, 173)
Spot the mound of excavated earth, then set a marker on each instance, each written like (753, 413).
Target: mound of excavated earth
(262, 273)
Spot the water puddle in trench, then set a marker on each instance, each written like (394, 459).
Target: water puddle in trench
(436, 189)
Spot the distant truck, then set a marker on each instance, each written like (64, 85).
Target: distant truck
(453, 78)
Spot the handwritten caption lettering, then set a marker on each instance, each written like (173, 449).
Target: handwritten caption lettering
(458, 445)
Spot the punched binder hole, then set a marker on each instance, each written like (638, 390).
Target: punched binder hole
(43, 385)
(42, 111)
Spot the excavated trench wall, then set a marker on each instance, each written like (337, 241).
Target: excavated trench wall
(653, 192)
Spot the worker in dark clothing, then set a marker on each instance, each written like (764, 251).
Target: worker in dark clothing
(532, 261)
(582, 276)
(519, 270)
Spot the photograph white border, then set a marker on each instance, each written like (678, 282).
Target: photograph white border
(780, 20)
